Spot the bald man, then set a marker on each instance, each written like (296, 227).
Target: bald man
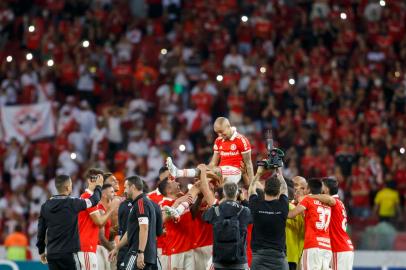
(300, 186)
(229, 150)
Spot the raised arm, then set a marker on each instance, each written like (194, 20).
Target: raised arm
(324, 198)
(284, 186)
(204, 185)
(253, 181)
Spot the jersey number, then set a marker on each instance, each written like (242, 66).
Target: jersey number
(324, 218)
(344, 224)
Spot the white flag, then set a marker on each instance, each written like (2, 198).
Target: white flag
(31, 121)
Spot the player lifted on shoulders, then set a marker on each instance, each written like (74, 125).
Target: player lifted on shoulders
(230, 149)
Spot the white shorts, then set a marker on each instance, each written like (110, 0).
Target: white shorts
(316, 259)
(88, 260)
(102, 258)
(181, 261)
(231, 174)
(342, 260)
(202, 256)
(163, 260)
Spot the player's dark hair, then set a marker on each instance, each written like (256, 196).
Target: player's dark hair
(106, 176)
(60, 181)
(272, 186)
(314, 185)
(106, 186)
(145, 187)
(162, 170)
(162, 186)
(331, 184)
(93, 172)
(135, 181)
(230, 190)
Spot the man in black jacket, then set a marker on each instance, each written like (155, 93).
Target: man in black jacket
(58, 223)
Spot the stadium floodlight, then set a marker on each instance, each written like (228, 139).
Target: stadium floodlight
(219, 78)
(164, 51)
(292, 81)
(9, 58)
(382, 3)
(31, 28)
(182, 148)
(50, 63)
(262, 69)
(343, 16)
(28, 56)
(73, 156)
(244, 19)
(85, 43)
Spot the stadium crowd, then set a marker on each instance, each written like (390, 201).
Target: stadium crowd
(132, 82)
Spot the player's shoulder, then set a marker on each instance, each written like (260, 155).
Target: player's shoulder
(85, 195)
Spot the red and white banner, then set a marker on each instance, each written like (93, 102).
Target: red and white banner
(27, 121)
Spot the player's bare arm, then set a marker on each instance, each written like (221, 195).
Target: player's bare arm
(324, 198)
(104, 241)
(100, 219)
(296, 211)
(214, 160)
(204, 185)
(246, 156)
(253, 185)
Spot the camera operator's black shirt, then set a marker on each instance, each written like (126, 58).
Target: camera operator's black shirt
(142, 210)
(269, 218)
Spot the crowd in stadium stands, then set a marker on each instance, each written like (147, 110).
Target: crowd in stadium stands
(132, 82)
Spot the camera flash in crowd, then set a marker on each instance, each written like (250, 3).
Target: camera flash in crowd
(9, 58)
(382, 3)
(85, 43)
(397, 74)
(28, 56)
(73, 156)
(182, 147)
(292, 81)
(31, 28)
(343, 16)
(50, 63)
(402, 150)
(244, 19)
(219, 78)
(262, 69)
(164, 51)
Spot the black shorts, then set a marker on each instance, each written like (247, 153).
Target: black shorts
(67, 261)
(130, 263)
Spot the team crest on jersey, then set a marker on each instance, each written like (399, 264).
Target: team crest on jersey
(233, 147)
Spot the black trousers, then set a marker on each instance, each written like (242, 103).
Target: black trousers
(130, 263)
(66, 261)
(292, 266)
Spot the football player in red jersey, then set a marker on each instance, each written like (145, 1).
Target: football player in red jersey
(230, 149)
(317, 215)
(341, 245)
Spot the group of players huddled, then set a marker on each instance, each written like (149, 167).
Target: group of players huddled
(315, 230)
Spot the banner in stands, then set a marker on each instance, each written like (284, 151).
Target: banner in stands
(27, 121)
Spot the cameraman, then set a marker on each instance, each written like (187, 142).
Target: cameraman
(269, 217)
(58, 222)
(230, 221)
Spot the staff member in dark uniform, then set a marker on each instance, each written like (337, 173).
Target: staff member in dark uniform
(141, 230)
(58, 222)
(123, 212)
(269, 218)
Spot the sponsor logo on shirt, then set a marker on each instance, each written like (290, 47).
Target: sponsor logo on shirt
(226, 154)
